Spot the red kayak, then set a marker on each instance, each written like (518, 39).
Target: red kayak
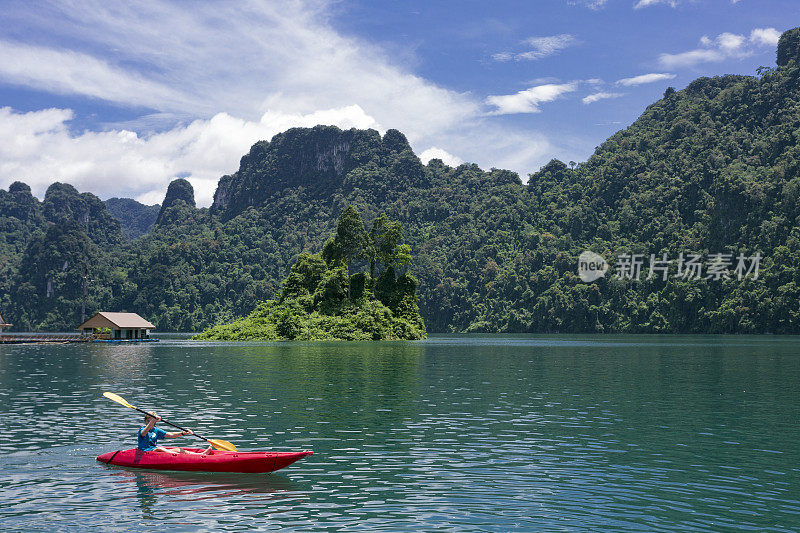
(214, 461)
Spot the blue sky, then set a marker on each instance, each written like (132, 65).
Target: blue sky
(120, 99)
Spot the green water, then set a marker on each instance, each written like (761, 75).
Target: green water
(611, 433)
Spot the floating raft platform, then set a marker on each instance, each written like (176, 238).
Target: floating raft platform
(125, 341)
(62, 338)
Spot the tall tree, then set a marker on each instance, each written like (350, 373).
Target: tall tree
(384, 238)
(352, 238)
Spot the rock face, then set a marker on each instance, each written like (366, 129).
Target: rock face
(63, 205)
(317, 159)
(19, 203)
(789, 47)
(178, 190)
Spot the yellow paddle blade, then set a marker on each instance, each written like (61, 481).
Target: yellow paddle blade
(117, 398)
(220, 444)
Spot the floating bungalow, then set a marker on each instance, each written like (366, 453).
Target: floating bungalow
(117, 327)
(102, 327)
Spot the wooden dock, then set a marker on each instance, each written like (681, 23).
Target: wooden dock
(36, 338)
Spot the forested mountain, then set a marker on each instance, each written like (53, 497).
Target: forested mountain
(711, 169)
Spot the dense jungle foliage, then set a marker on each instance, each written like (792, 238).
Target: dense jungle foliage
(136, 219)
(322, 299)
(713, 168)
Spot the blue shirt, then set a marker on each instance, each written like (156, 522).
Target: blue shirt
(148, 442)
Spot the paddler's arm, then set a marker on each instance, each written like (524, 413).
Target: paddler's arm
(176, 434)
(150, 425)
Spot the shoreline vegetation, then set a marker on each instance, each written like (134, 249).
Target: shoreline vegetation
(322, 299)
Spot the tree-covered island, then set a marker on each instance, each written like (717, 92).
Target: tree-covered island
(322, 299)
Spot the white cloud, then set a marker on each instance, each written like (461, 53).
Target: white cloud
(690, 58)
(592, 98)
(67, 72)
(725, 46)
(765, 36)
(730, 42)
(546, 46)
(591, 4)
(539, 47)
(646, 3)
(671, 3)
(528, 101)
(542, 80)
(214, 78)
(240, 59)
(645, 78)
(437, 153)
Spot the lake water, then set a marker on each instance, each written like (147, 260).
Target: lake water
(611, 433)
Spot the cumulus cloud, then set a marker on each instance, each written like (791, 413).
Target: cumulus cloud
(592, 98)
(645, 78)
(528, 101)
(211, 80)
(730, 42)
(765, 36)
(724, 46)
(539, 47)
(437, 153)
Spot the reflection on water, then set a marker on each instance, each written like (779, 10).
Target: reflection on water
(613, 433)
(194, 487)
(123, 362)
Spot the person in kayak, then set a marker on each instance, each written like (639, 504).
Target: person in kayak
(149, 435)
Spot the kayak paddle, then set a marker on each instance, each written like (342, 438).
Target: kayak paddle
(218, 444)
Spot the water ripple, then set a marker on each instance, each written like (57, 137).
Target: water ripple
(466, 434)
